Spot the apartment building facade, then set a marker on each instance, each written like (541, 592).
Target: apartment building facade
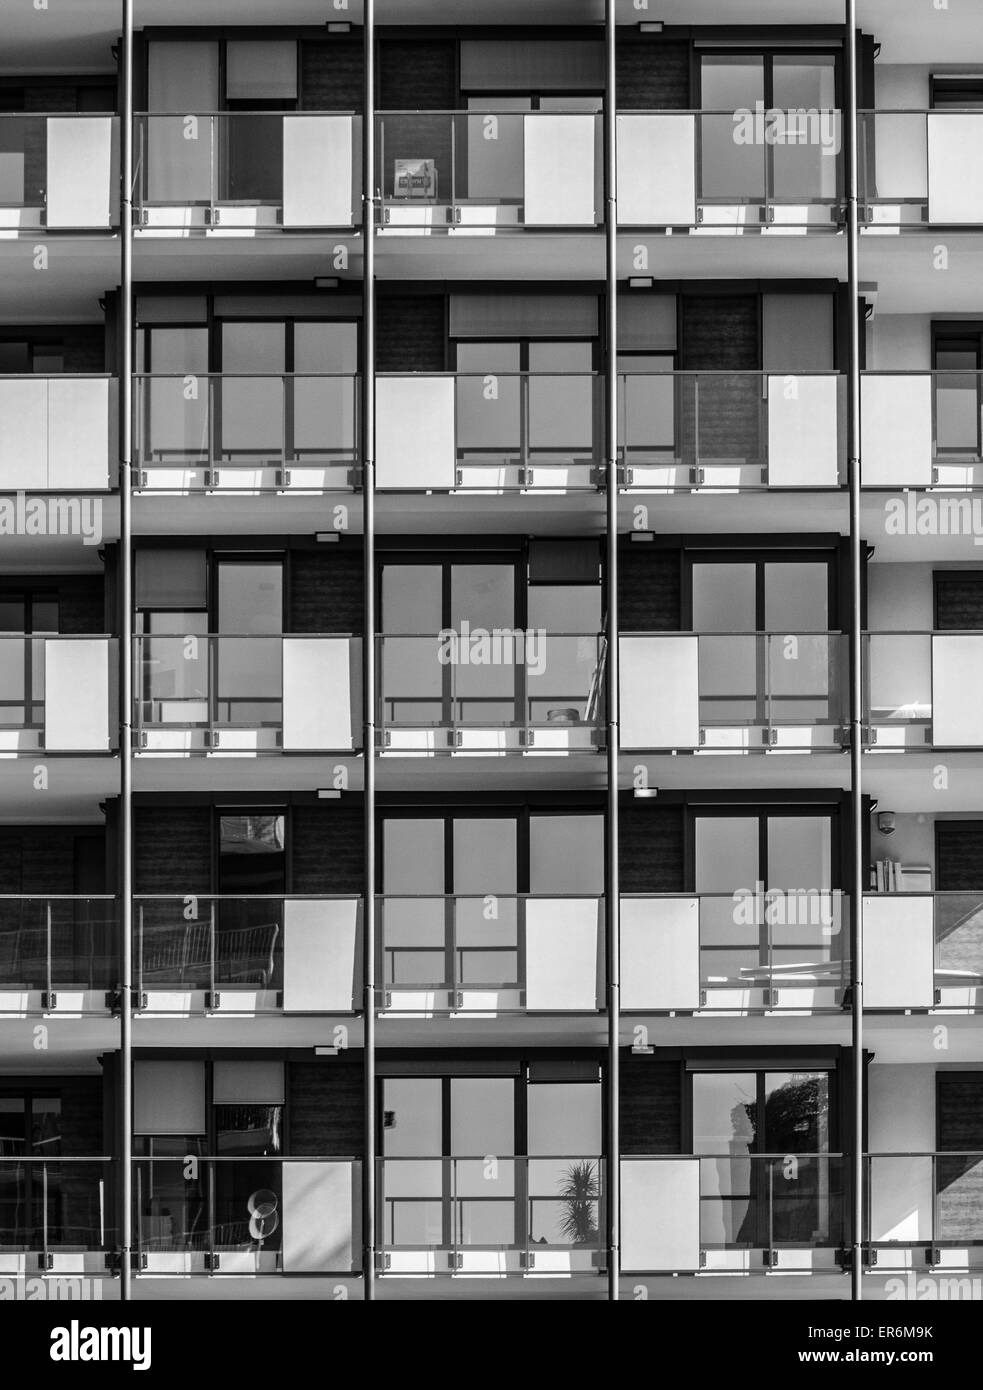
(492, 630)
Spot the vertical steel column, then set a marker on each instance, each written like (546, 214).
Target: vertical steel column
(368, 646)
(856, 657)
(612, 915)
(126, 656)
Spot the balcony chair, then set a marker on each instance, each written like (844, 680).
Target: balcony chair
(244, 955)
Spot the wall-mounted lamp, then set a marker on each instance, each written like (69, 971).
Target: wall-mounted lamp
(326, 282)
(646, 793)
(328, 794)
(640, 536)
(640, 282)
(652, 26)
(885, 822)
(327, 537)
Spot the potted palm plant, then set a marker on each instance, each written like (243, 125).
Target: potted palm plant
(579, 1194)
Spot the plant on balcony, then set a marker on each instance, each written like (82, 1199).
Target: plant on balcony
(579, 1194)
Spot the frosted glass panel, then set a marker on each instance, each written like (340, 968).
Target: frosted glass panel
(414, 856)
(726, 853)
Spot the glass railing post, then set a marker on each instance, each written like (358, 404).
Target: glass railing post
(212, 170)
(44, 1216)
(47, 952)
(211, 947)
(210, 1219)
(524, 429)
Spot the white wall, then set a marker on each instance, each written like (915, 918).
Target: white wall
(901, 87)
(913, 841)
(899, 343)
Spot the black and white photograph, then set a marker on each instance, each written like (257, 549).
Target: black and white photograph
(491, 674)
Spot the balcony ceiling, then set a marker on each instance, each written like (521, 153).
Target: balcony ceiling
(76, 37)
(76, 786)
(74, 1044)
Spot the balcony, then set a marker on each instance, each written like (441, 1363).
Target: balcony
(246, 172)
(59, 172)
(56, 1214)
(491, 1216)
(732, 431)
(734, 171)
(923, 950)
(246, 434)
(922, 430)
(919, 167)
(491, 692)
(58, 433)
(57, 694)
(921, 690)
(489, 432)
(57, 954)
(925, 1208)
(482, 172)
(247, 1215)
(732, 1213)
(491, 955)
(279, 955)
(247, 695)
(734, 692)
(537, 432)
(748, 951)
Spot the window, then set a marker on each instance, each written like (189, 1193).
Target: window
(769, 898)
(957, 93)
(25, 613)
(33, 1201)
(438, 870)
(766, 1178)
(788, 674)
(211, 625)
(541, 1131)
(228, 1205)
(738, 164)
(957, 357)
(527, 397)
(419, 601)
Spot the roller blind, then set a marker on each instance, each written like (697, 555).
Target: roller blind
(523, 316)
(647, 322)
(172, 309)
(168, 1097)
(264, 70)
(538, 66)
(182, 77)
(248, 1083)
(170, 579)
